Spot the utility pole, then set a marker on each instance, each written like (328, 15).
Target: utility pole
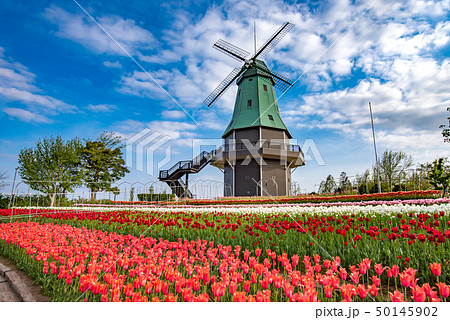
(375, 148)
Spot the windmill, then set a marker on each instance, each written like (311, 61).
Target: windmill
(256, 158)
(282, 83)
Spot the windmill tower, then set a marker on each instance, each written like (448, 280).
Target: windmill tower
(256, 158)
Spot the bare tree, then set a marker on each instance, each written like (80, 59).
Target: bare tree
(328, 185)
(392, 165)
(3, 177)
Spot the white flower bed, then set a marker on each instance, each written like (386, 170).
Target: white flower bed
(263, 210)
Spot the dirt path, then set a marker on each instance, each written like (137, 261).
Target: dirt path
(6, 292)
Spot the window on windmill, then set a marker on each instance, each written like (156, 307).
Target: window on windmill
(249, 103)
(265, 87)
(251, 79)
(270, 117)
(239, 91)
(247, 178)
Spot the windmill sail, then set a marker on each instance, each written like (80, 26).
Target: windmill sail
(273, 40)
(223, 86)
(231, 50)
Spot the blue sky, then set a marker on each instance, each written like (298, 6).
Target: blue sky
(61, 74)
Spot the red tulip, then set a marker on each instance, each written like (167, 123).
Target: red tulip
(343, 273)
(373, 290)
(362, 291)
(436, 268)
(316, 258)
(247, 286)
(376, 281)
(419, 294)
(444, 289)
(397, 296)
(395, 271)
(379, 269)
(348, 291)
(232, 287)
(355, 277)
(170, 298)
(328, 291)
(239, 297)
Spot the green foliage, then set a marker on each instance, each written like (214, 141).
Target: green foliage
(439, 175)
(102, 163)
(52, 166)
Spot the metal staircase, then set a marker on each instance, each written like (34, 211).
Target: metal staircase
(174, 176)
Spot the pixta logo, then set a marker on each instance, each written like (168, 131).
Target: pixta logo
(144, 147)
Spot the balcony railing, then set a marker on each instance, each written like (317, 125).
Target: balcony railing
(259, 144)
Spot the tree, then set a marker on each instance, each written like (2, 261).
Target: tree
(363, 182)
(102, 163)
(446, 129)
(132, 194)
(439, 175)
(295, 188)
(392, 165)
(115, 192)
(3, 177)
(52, 166)
(328, 185)
(344, 182)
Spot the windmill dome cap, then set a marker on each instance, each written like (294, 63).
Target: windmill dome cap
(254, 71)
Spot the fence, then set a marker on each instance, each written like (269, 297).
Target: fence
(21, 194)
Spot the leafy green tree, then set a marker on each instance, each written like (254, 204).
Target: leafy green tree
(439, 175)
(52, 166)
(392, 166)
(102, 163)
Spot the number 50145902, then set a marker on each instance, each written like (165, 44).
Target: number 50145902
(406, 311)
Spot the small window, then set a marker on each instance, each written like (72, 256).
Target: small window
(265, 87)
(247, 178)
(251, 79)
(239, 91)
(270, 117)
(249, 103)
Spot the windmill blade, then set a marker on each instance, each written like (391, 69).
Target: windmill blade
(231, 50)
(273, 40)
(223, 86)
(281, 83)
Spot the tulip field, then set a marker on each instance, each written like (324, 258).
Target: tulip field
(378, 252)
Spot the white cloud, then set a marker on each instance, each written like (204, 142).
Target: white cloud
(173, 114)
(112, 64)
(81, 29)
(104, 108)
(17, 85)
(25, 115)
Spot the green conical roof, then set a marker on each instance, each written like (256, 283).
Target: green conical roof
(255, 104)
